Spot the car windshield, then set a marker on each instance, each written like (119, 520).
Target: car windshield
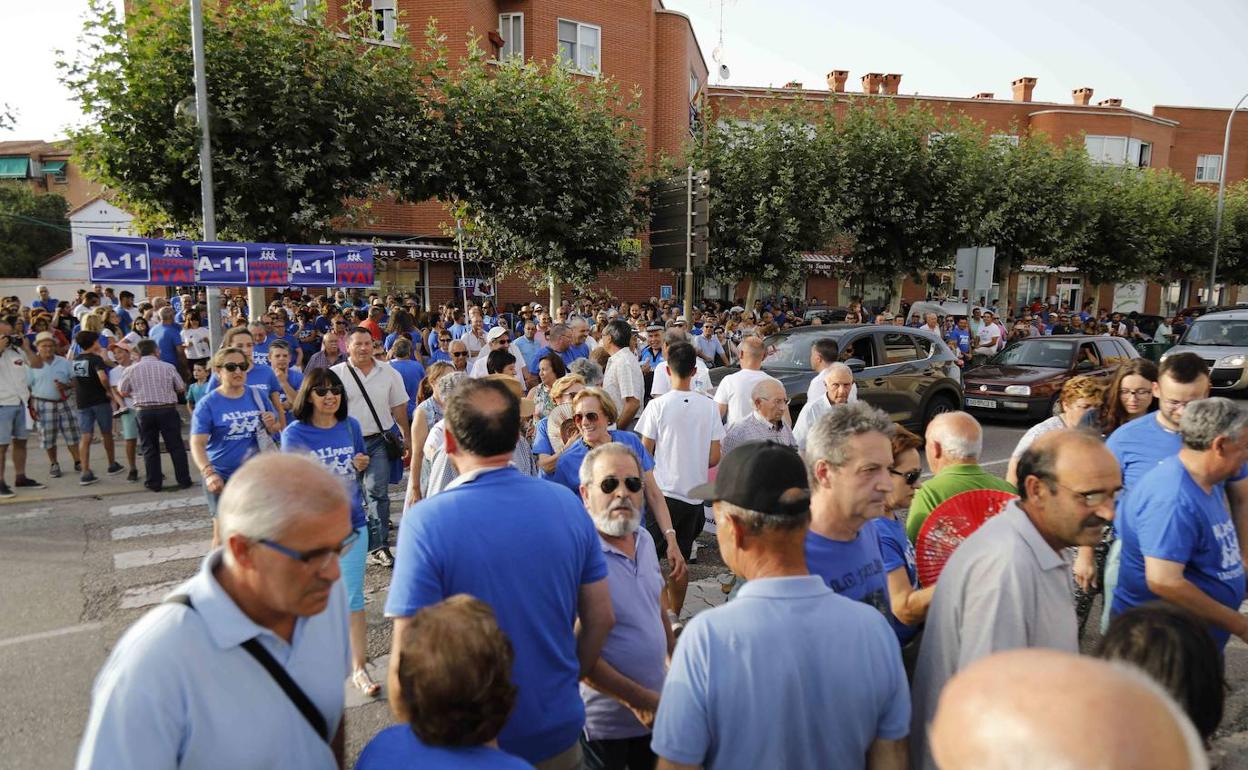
(1051, 353)
(788, 351)
(1217, 331)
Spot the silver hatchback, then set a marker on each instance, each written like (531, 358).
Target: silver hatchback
(1221, 340)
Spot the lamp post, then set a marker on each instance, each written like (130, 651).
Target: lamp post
(205, 162)
(1217, 220)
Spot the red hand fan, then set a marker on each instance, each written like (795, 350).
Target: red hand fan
(949, 524)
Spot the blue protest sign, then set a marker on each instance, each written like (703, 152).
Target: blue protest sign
(312, 266)
(219, 264)
(117, 260)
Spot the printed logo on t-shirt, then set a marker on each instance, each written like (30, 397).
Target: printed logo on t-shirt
(1232, 561)
(242, 425)
(337, 459)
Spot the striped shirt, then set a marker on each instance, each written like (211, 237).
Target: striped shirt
(755, 428)
(151, 382)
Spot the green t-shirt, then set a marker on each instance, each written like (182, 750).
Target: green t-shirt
(951, 481)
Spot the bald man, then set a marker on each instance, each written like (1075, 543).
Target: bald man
(1041, 710)
(1007, 586)
(953, 443)
(735, 393)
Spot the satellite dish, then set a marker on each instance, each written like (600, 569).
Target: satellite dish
(718, 54)
(723, 72)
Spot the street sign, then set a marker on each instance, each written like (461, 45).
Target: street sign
(974, 268)
(220, 264)
(115, 260)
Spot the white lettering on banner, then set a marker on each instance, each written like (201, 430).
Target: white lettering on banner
(354, 256)
(268, 255)
(173, 251)
(237, 264)
(126, 260)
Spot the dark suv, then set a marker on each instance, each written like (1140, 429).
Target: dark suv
(908, 373)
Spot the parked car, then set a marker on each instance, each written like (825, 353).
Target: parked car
(827, 315)
(1025, 379)
(941, 309)
(908, 373)
(1196, 311)
(1221, 339)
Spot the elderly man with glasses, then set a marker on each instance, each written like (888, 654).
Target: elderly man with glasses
(765, 422)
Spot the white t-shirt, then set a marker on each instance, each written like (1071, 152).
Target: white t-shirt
(682, 424)
(663, 379)
(114, 379)
(987, 333)
(736, 390)
(197, 343)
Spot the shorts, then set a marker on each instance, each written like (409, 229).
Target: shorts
(91, 416)
(130, 425)
(212, 501)
(687, 519)
(56, 416)
(352, 565)
(13, 424)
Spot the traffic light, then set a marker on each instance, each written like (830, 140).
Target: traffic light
(700, 216)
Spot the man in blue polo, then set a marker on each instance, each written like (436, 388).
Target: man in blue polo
(786, 647)
(544, 573)
(168, 337)
(183, 689)
(558, 341)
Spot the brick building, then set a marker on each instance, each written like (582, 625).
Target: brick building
(47, 167)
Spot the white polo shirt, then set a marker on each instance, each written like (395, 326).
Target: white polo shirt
(736, 391)
(385, 388)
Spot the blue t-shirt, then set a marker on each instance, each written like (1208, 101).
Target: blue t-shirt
(962, 337)
(541, 442)
(568, 469)
(1167, 515)
(123, 315)
(440, 355)
(445, 540)
(195, 392)
(578, 351)
(295, 378)
(231, 425)
(568, 357)
(260, 353)
(854, 569)
(168, 338)
(412, 373)
(1142, 444)
(398, 748)
(336, 448)
(896, 550)
(258, 376)
(308, 340)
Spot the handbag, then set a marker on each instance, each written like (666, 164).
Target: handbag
(394, 444)
(264, 441)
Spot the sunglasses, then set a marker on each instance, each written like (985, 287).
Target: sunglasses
(611, 483)
(910, 477)
(230, 366)
(586, 417)
(327, 390)
(460, 355)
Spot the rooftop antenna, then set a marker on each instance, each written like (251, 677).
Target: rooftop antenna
(722, 73)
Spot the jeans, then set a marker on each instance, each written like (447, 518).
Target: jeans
(619, 754)
(376, 483)
(155, 424)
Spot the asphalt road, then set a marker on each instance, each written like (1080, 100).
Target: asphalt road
(80, 564)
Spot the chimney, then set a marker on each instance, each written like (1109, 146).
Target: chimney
(836, 80)
(871, 82)
(793, 84)
(984, 95)
(891, 83)
(1023, 88)
(1109, 103)
(1082, 96)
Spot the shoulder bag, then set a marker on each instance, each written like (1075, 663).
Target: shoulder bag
(394, 444)
(264, 441)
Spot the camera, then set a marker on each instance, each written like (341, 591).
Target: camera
(15, 340)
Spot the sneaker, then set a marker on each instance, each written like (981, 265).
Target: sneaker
(133, 475)
(55, 470)
(77, 466)
(28, 483)
(115, 468)
(5, 491)
(87, 477)
(383, 557)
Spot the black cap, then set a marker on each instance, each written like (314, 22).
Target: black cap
(761, 476)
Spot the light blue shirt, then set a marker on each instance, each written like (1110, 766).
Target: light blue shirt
(824, 670)
(43, 380)
(528, 348)
(179, 691)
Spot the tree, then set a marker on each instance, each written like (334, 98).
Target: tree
(304, 116)
(33, 227)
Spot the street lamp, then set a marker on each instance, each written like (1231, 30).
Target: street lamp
(205, 161)
(1217, 220)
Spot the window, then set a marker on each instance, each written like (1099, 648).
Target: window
(580, 46)
(511, 28)
(1208, 168)
(56, 170)
(899, 348)
(1110, 150)
(860, 348)
(14, 167)
(694, 85)
(1139, 154)
(1112, 351)
(384, 20)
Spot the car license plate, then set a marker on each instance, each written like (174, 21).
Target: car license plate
(982, 403)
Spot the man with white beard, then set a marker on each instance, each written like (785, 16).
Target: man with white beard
(621, 692)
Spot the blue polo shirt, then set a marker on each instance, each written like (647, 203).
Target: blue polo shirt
(567, 356)
(787, 648)
(896, 551)
(445, 540)
(568, 469)
(1167, 515)
(258, 376)
(231, 425)
(527, 347)
(651, 357)
(336, 449)
(178, 690)
(854, 569)
(168, 338)
(962, 337)
(578, 351)
(412, 373)
(398, 748)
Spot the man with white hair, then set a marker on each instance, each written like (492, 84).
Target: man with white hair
(252, 649)
(735, 394)
(952, 444)
(621, 692)
(838, 380)
(765, 422)
(44, 300)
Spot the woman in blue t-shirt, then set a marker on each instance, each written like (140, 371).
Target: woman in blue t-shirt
(224, 426)
(323, 428)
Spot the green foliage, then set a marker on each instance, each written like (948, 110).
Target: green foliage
(33, 227)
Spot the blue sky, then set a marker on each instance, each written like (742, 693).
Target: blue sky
(1145, 52)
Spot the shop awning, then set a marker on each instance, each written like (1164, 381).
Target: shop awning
(54, 167)
(14, 167)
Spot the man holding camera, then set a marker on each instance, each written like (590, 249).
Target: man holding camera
(15, 358)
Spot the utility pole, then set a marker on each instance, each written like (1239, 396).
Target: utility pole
(1217, 221)
(688, 300)
(205, 161)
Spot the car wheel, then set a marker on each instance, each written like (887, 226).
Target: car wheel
(941, 403)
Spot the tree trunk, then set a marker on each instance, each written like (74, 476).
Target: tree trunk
(556, 294)
(750, 295)
(894, 302)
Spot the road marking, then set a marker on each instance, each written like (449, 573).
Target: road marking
(164, 528)
(50, 634)
(152, 506)
(32, 513)
(145, 596)
(151, 556)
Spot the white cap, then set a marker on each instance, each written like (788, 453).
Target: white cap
(495, 333)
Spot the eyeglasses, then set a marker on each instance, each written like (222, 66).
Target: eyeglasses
(327, 390)
(318, 558)
(778, 400)
(910, 477)
(586, 417)
(1172, 404)
(460, 355)
(1092, 499)
(232, 367)
(444, 339)
(1137, 393)
(611, 483)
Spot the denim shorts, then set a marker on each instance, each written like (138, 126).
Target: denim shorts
(90, 416)
(352, 565)
(12, 423)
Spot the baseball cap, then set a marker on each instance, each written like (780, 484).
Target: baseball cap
(46, 337)
(495, 333)
(654, 328)
(760, 476)
(680, 319)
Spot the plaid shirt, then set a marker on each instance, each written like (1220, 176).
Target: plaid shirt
(755, 428)
(151, 382)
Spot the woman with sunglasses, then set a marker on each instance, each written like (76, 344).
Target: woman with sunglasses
(1129, 395)
(323, 429)
(909, 602)
(224, 425)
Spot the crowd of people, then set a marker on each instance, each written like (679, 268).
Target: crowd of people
(560, 469)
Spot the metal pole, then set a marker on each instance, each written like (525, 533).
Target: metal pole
(689, 249)
(463, 276)
(1217, 221)
(205, 161)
